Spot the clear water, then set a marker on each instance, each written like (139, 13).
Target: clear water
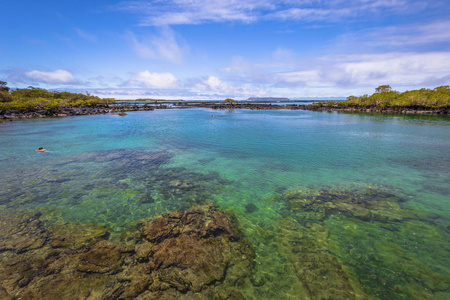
(264, 166)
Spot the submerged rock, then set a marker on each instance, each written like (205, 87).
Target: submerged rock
(181, 255)
(318, 270)
(249, 208)
(371, 203)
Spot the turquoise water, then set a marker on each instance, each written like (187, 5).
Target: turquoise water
(365, 195)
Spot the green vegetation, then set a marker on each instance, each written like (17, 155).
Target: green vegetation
(384, 96)
(230, 101)
(37, 98)
(326, 103)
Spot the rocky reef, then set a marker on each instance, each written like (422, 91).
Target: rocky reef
(196, 254)
(110, 187)
(316, 267)
(369, 203)
(361, 243)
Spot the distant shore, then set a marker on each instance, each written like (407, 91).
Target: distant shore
(9, 115)
(315, 107)
(388, 110)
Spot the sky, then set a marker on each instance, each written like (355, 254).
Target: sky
(215, 49)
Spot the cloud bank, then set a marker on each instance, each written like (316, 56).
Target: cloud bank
(55, 77)
(179, 12)
(154, 80)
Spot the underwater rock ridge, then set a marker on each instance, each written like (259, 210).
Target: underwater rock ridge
(196, 254)
(372, 203)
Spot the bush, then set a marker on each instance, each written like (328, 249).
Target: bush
(37, 98)
(384, 96)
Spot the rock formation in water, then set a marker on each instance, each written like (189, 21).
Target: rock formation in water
(197, 254)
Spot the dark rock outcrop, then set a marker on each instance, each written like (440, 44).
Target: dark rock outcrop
(7, 115)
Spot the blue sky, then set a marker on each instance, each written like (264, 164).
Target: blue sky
(214, 49)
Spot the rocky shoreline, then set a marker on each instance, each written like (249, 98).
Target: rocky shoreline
(389, 110)
(12, 114)
(444, 111)
(9, 115)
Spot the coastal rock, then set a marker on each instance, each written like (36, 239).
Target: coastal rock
(197, 254)
(21, 233)
(53, 112)
(196, 249)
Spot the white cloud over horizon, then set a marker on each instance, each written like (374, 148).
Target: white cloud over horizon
(364, 70)
(156, 80)
(215, 85)
(402, 69)
(52, 77)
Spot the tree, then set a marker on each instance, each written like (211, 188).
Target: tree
(383, 89)
(3, 87)
(230, 101)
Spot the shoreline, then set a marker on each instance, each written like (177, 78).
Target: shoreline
(402, 110)
(15, 114)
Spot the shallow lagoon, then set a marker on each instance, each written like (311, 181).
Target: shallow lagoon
(329, 201)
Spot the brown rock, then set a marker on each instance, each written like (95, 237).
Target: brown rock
(192, 255)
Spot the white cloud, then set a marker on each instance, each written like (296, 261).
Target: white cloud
(397, 69)
(85, 35)
(164, 45)
(341, 75)
(54, 77)
(176, 12)
(415, 34)
(215, 85)
(309, 14)
(283, 55)
(156, 80)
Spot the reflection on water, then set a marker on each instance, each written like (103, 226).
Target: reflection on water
(333, 206)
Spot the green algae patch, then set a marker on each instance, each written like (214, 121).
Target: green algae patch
(115, 188)
(316, 267)
(366, 242)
